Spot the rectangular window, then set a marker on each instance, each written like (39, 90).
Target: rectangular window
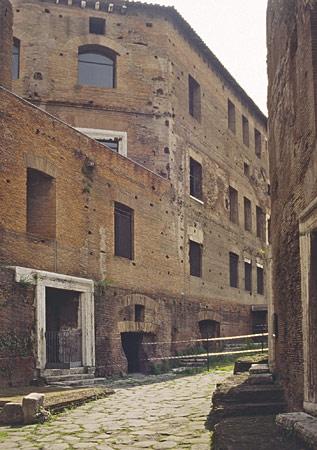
(195, 259)
(246, 169)
(231, 116)
(234, 269)
(257, 143)
(233, 205)
(194, 101)
(97, 25)
(260, 280)
(245, 131)
(16, 59)
(248, 275)
(41, 204)
(260, 223)
(195, 178)
(247, 214)
(113, 144)
(123, 230)
(139, 313)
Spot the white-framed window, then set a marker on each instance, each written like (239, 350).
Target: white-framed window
(115, 140)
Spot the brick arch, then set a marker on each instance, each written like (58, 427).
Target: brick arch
(151, 320)
(94, 39)
(209, 315)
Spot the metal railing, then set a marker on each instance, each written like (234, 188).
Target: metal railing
(64, 346)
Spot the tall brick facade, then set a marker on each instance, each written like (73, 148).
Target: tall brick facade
(168, 113)
(6, 22)
(292, 147)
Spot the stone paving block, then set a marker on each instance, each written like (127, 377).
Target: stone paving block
(32, 405)
(12, 414)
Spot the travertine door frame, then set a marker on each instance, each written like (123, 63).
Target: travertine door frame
(307, 226)
(83, 286)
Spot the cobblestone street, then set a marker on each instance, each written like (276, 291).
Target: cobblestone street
(167, 414)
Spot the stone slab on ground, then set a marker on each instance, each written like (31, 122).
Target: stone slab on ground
(259, 369)
(250, 433)
(303, 426)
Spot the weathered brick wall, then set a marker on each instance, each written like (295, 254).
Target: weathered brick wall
(17, 330)
(6, 22)
(150, 102)
(292, 145)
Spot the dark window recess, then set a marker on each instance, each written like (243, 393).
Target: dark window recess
(247, 214)
(16, 59)
(113, 144)
(233, 204)
(246, 169)
(269, 238)
(195, 178)
(268, 189)
(97, 25)
(234, 270)
(139, 313)
(248, 276)
(245, 131)
(260, 280)
(257, 143)
(41, 204)
(231, 116)
(260, 223)
(123, 230)
(96, 66)
(194, 101)
(195, 259)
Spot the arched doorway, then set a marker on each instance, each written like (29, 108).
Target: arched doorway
(209, 329)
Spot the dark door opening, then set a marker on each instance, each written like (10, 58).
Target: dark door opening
(209, 329)
(63, 332)
(131, 344)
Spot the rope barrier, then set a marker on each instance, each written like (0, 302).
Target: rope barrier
(209, 339)
(205, 355)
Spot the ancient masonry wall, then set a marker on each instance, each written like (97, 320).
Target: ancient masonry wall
(292, 148)
(6, 22)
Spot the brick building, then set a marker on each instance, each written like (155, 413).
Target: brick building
(158, 232)
(292, 70)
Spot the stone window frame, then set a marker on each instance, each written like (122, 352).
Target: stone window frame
(308, 226)
(85, 287)
(99, 134)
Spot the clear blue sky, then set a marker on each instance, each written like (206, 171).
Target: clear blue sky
(235, 31)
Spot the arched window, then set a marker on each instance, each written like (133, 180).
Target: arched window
(96, 66)
(15, 59)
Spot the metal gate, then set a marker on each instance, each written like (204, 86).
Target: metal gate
(64, 348)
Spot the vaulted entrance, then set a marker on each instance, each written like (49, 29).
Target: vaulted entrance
(132, 347)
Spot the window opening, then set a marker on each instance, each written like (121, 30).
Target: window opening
(194, 101)
(248, 276)
(41, 204)
(195, 179)
(16, 59)
(257, 143)
(233, 204)
(96, 66)
(260, 223)
(234, 269)
(97, 25)
(113, 144)
(246, 169)
(260, 280)
(247, 214)
(195, 259)
(139, 313)
(245, 131)
(231, 116)
(123, 222)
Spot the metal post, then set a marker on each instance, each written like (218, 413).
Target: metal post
(207, 354)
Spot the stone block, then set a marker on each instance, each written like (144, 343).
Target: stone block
(12, 414)
(259, 368)
(31, 406)
(260, 378)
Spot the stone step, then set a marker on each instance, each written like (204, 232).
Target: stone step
(249, 394)
(59, 372)
(217, 414)
(69, 378)
(80, 383)
(260, 378)
(259, 368)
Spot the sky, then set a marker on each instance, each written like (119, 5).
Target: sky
(234, 30)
